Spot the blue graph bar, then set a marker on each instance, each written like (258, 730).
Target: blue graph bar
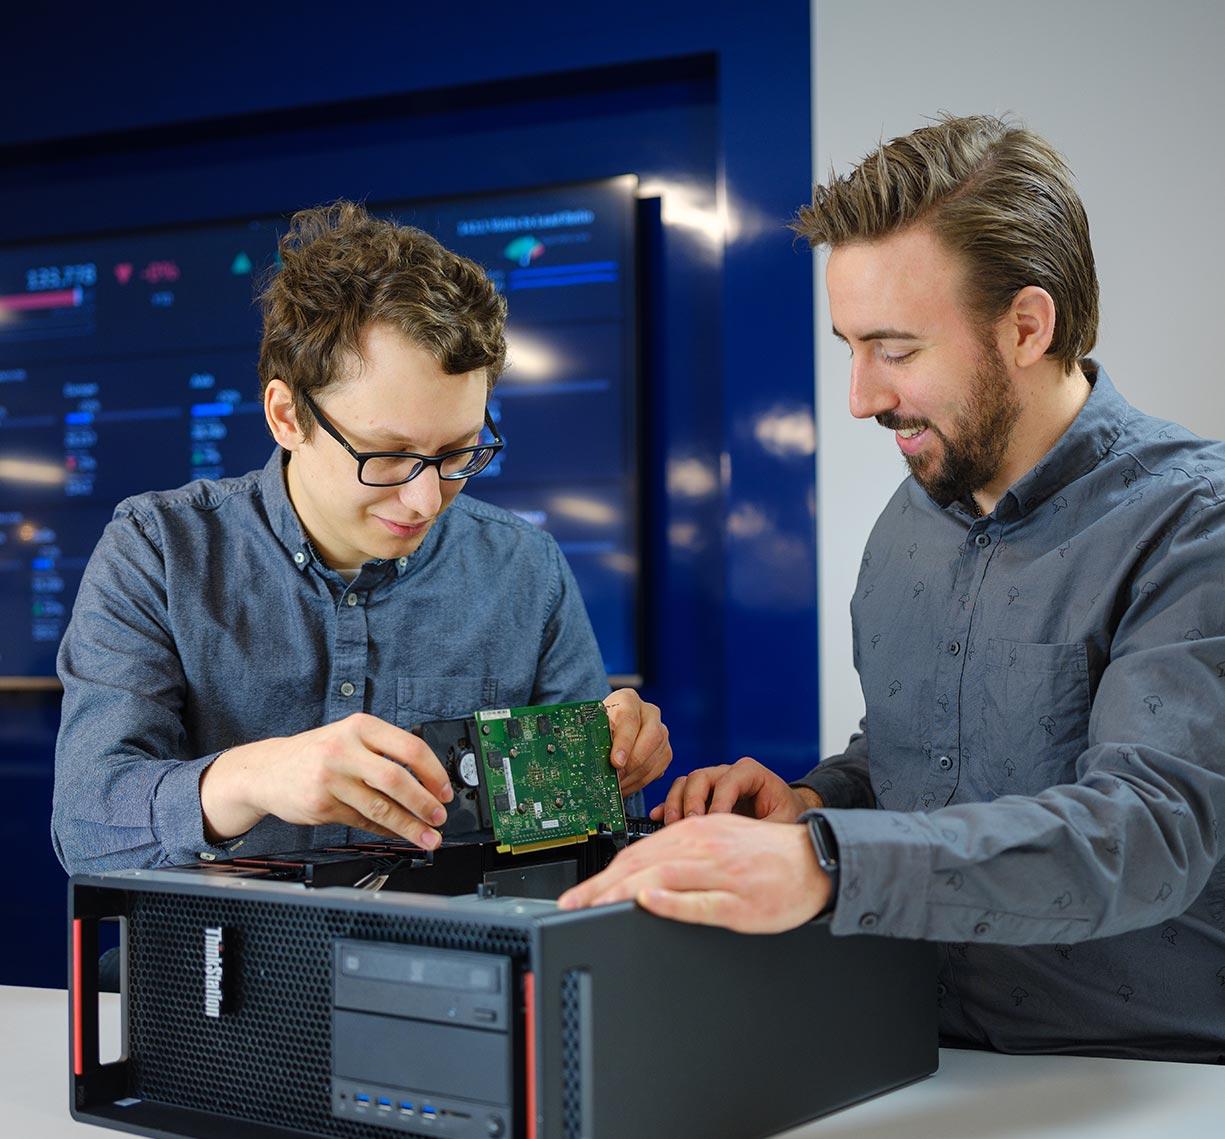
(556, 270)
(557, 282)
(211, 410)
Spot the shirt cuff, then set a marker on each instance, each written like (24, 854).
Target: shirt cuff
(178, 821)
(886, 865)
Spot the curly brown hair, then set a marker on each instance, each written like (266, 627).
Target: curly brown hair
(343, 269)
(997, 195)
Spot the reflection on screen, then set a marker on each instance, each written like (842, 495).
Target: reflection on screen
(127, 363)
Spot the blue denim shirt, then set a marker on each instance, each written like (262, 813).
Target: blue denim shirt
(1041, 769)
(206, 620)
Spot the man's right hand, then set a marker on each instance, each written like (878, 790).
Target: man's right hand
(359, 772)
(743, 788)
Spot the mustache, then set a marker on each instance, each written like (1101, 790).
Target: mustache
(894, 422)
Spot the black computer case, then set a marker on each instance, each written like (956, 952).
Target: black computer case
(256, 1008)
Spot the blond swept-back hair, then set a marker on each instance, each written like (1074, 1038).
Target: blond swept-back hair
(997, 195)
(343, 269)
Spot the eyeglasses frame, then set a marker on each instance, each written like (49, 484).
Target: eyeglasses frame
(423, 461)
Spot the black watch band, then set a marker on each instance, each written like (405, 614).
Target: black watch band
(825, 847)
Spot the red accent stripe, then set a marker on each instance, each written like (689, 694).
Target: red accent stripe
(78, 1031)
(529, 1021)
(59, 298)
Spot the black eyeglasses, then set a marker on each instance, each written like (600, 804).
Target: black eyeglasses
(391, 468)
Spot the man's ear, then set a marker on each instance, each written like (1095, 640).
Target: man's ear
(1028, 327)
(280, 416)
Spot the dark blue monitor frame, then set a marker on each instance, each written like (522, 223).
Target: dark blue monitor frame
(127, 363)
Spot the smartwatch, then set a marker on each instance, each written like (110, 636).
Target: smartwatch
(825, 847)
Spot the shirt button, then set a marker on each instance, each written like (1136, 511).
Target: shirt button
(954, 647)
(944, 762)
(981, 928)
(299, 557)
(351, 600)
(401, 562)
(347, 689)
(983, 541)
(868, 921)
(941, 989)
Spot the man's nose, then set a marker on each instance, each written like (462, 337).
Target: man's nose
(423, 496)
(871, 393)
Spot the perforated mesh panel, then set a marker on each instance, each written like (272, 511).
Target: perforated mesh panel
(571, 1055)
(269, 1057)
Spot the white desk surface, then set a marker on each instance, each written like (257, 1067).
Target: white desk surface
(974, 1095)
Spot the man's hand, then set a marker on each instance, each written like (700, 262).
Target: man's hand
(640, 749)
(744, 874)
(360, 772)
(743, 788)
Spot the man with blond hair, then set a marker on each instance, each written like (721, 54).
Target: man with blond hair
(1039, 630)
(246, 656)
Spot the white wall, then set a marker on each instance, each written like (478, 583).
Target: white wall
(1133, 94)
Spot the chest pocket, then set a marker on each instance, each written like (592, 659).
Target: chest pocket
(422, 698)
(1034, 716)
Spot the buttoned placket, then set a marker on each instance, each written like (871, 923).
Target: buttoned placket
(351, 647)
(956, 651)
(948, 988)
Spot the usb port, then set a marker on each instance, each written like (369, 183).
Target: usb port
(428, 1112)
(406, 1108)
(384, 1103)
(362, 1098)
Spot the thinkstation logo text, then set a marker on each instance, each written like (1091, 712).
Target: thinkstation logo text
(214, 971)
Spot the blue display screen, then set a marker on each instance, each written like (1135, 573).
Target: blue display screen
(128, 363)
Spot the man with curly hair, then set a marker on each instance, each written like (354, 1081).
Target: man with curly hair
(246, 655)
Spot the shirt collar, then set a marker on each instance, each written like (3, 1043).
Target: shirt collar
(1081, 447)
(290, 533)
(281, 515)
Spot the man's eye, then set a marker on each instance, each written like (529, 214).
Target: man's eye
(896, 357)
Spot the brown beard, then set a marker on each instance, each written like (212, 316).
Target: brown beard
(974, 449)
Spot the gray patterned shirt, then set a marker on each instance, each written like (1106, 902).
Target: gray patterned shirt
(206, 620)
(1041, 768)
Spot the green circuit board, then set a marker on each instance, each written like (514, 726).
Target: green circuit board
(548, 774)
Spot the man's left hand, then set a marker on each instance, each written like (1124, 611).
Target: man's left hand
(640, 748)
(744, 874)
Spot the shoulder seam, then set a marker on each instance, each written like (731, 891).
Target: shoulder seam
(487, 512)
(141, 524)
(181, 499)
(1212, 493)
